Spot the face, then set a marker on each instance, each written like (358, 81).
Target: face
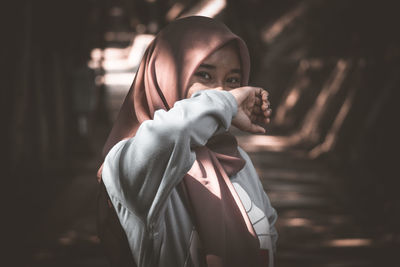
(220, 70)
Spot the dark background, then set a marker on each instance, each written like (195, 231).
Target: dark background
(331, 68)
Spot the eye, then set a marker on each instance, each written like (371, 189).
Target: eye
(203, 74)
(233, 80)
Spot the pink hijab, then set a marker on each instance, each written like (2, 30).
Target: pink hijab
(225, 231)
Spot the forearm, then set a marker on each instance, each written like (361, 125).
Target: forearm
(142, 171)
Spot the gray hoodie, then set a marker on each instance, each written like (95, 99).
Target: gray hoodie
(141, 175)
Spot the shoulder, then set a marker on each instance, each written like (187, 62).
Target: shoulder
(248, 178)
(249, 167)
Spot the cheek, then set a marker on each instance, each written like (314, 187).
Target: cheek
(193, 88)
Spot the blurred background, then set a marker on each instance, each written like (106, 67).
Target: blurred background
(329, 161)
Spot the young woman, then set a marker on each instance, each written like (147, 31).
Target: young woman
(183, 191)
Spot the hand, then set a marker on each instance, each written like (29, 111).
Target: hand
(253, 109)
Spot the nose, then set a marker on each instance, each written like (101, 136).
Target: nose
(220, 85)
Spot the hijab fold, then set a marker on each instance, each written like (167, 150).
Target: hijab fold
(224, 228)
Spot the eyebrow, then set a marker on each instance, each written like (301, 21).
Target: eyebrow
(239, 71)
(209, 66)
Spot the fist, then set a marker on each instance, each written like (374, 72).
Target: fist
(253, 109)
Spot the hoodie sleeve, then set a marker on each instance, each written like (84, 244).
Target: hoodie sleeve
(139, 173)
